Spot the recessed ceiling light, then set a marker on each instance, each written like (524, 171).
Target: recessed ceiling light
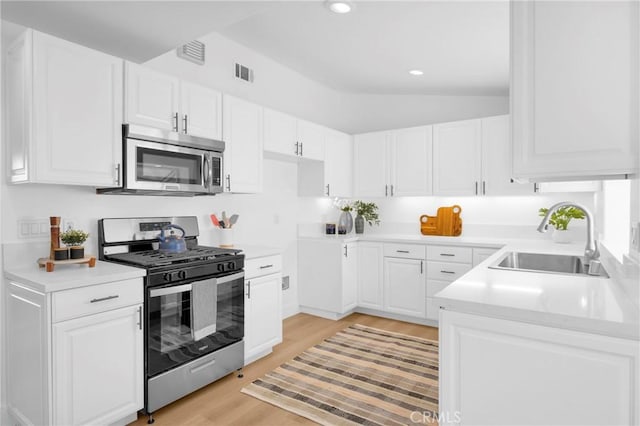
(416, 72)
(339, 6)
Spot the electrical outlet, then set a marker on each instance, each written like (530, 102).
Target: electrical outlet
(635, 236)
(68, 224)
(285, 283)
(33, 228)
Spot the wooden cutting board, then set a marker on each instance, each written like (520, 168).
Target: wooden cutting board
(446, 223)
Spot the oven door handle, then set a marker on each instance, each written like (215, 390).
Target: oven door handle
(169, 290)
(232, 277)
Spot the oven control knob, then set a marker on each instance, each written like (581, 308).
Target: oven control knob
(182, 274)
(220, 267)
(231, 265)
(166, 276)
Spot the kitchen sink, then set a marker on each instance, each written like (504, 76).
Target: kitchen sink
(548, 263)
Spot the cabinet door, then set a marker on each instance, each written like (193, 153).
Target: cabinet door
(77, 102)
(370, 275)
(280, 133)
(98, 367)
(17, 103)
(575, 74)
(578, 378)
(456, 158)
(263, 314)
(243, 150)
(152, 98)
(338, 164)
(311, 139)
(480, 254)
(411, 170)
(201, 109)
(496, 159)
(371, 165)
(349, 276)
(404, 286)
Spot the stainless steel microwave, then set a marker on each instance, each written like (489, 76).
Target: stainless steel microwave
(158, 162)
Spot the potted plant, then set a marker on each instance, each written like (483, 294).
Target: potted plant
(365, 211)
(74, 239)
(560, 221)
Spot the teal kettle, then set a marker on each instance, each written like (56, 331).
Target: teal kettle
(172, 243)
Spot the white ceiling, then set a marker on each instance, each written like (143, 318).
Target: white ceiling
(462, 47)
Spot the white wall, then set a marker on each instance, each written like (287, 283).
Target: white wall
(281, 88)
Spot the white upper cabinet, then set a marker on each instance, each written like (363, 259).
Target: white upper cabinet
(64, 112)
(165, 102)
(575, 78)
(456, 158)
(311, 140)
(496, 159)
(290, 136)
(280, 133)
(153, 98)
(411, 170)
(393, 163)
(243, 151)
(338, 176)
(371, 164)
(201, 111)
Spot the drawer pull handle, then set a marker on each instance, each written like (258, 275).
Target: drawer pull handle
(102, 299)
(447, 254)
(402, 251)
(203, 366)
(447, 272)
(266, 266)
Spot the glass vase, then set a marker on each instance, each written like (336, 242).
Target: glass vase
(346, 221)
(359, 224)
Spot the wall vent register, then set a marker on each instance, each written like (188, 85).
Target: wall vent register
(244, 73)
(192, 51)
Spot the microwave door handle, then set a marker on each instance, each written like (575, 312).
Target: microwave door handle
(206, 172)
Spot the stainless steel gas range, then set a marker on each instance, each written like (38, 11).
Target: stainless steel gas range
(194, 305)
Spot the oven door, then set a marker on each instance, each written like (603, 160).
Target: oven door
(164, 167)
(190, 319)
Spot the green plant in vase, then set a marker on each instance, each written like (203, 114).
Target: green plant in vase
(560, 221)
(365, 212)
(74, 239)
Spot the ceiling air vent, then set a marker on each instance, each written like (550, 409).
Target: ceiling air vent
(244, 73)
(192, 51)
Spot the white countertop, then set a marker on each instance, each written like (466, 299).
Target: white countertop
(255, 251)
(413, 238)
(66, 277)
(578, 302)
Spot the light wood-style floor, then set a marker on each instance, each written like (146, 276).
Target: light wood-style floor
(221, 403)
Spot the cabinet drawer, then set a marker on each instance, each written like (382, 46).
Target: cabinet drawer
(446, 271)
(450, 254)
(434, 286)
(408, 251)
(262, 266)
(433, 309)
(96, 298)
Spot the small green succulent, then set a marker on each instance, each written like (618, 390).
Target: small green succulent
(74, 237)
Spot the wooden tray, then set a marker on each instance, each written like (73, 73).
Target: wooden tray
(50, 263)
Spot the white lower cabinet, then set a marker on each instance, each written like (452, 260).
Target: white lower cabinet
(445, 265)
(404, 286)
(327, 275)
(262, 306)
(97, 367)
(370, 275)
(502, 372)
(84, 367)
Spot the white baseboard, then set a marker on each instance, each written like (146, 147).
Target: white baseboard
(290, 310)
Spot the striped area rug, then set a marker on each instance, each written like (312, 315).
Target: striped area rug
(362, 375)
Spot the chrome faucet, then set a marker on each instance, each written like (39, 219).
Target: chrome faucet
(591, 252)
